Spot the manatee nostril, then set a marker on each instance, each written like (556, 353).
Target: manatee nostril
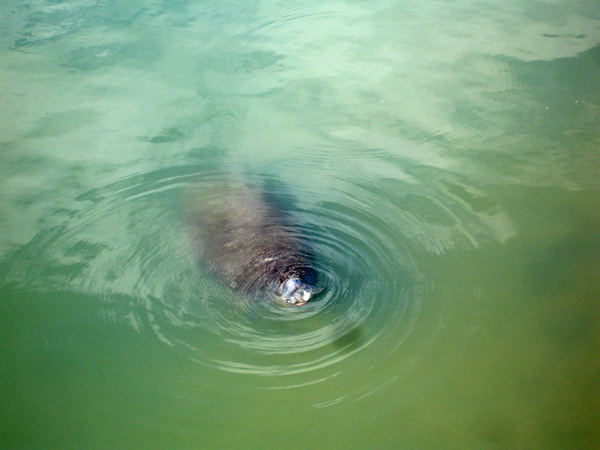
(289, 288)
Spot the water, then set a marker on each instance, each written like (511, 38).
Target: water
(440, 158)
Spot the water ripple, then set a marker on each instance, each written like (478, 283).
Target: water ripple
(128, 243)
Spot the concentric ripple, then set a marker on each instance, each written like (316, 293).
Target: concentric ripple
(360, 272)
(129, 245)
(368, 296)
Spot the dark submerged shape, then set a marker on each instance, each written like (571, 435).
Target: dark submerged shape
(246, 241)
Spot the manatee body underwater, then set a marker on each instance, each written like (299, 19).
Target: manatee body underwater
(249, 244)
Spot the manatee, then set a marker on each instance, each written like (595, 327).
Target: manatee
(249, 244)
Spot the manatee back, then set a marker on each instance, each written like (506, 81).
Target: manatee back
(244, 239)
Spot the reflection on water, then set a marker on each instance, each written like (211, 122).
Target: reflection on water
(440, 160)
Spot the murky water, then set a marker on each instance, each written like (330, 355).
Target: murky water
(440, 159)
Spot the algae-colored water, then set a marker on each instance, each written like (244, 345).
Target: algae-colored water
(440, 159)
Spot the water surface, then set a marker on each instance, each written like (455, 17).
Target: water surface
(439, 158)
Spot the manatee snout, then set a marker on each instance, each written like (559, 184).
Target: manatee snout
(296, 292)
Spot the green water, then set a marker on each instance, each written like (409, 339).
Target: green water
(440, 158)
